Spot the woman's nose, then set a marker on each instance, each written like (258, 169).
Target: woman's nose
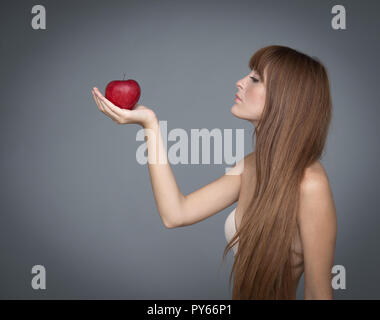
(239, 84)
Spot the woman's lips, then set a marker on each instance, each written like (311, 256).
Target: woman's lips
(237, 98)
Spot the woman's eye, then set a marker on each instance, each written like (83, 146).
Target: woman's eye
(254, 79)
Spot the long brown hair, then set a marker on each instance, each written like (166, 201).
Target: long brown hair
(290, 136)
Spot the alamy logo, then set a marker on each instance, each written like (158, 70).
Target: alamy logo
(339, 280)
(339, 20)
(39, 20)
(178, 152)
(39, 280)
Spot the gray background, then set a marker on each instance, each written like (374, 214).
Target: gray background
(74, 198)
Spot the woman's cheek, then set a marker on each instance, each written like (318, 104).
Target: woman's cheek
(257, 98)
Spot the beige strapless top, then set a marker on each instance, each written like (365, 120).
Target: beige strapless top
(230, 229)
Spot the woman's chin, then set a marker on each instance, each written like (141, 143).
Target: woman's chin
(235, 113)
(234, 110)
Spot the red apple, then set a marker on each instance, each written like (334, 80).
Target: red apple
(123, 93)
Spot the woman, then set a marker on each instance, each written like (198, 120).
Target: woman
(285, 221)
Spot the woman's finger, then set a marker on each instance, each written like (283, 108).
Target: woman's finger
(100, 107)
(111, 107)
(106, 105)
(116, 110)
(98, 103)
(108, 111)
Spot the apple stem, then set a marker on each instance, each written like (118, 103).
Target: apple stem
(124, 76)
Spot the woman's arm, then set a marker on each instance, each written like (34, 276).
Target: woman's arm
(318, 227)
(176, 209)
(168, 197)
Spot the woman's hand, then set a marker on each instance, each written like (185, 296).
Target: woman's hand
(138, 115)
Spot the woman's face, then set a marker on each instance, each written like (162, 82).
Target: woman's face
(251, 90)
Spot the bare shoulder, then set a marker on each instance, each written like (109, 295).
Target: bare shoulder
(242, 166)
(316, 197)
(315, 179)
